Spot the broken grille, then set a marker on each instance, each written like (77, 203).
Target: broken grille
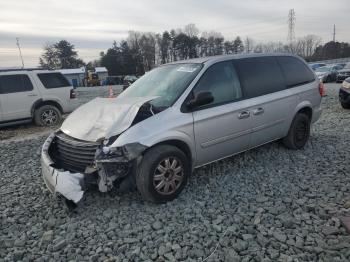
(72, 154)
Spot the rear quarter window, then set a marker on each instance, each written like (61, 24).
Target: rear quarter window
(295, 71)
(15, 84)
(260, 76)
(53, 80)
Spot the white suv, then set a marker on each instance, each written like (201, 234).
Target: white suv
(39, 95)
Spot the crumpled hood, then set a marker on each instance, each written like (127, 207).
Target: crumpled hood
(103, 117)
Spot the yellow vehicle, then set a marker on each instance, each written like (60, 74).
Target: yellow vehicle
(92, 79)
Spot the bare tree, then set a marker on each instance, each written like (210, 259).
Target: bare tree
(191, 30)
(308, 45)
(249, 44)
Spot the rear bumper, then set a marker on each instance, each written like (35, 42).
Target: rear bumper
(71, 105)
(344, 95)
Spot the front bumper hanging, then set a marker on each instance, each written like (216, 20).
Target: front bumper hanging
(106, 170)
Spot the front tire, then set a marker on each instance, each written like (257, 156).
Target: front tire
(162, 174)
(299, 132)
(47, 115)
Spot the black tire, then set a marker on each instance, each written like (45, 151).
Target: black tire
(345, 105)
(328, 79)
(299, 132)
(148, 169)
(47, 115)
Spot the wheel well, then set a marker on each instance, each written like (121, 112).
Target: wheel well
(44, 103)
(307, 111)
(180, 145)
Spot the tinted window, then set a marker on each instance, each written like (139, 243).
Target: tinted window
(260, 76)
(53, 80)
(222, 81)
(15, 83)
(295, 71)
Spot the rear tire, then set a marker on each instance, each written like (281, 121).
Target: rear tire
(345, 105)
(162, 174)
(47, 115)
(299, 132)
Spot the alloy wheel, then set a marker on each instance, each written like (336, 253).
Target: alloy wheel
(49, 117)
(168, 176)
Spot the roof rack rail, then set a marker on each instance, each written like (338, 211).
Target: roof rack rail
(19, 69)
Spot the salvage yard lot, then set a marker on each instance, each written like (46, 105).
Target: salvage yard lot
(268, 204)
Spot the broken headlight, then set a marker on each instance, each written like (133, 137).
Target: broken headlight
(112, 151)
(110, 141)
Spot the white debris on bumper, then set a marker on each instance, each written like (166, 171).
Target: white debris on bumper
(64, 182)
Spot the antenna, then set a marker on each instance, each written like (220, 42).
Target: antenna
(291, 26)
(334, 33)
(20, 52)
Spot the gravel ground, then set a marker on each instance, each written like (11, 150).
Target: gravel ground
(268, 204)
(84, 95)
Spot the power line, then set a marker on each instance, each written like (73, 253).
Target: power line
(291, 26)
(20, 53)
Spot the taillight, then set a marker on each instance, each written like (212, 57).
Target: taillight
(322, 89)
(72, 94)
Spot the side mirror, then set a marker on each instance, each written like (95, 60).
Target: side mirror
(201, 99)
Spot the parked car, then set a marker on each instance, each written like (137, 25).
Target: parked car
(27, 95)
(343, 73)
(128, 80)
(114, 80)
(181, 116)
(327, 73)
(314, 66)
(341, 65)
(344, 94)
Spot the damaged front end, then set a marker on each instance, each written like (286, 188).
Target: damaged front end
(70, 165)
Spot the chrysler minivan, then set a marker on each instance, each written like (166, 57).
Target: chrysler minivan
(178, 117)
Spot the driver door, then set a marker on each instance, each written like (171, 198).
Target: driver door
(223, 127)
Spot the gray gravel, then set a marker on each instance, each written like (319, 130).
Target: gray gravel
(268, 204)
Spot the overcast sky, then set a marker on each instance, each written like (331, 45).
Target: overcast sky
(93, 25)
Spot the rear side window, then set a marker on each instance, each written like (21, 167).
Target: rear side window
(53, 80)
(295, 71)
(222, 81)
(260, 76)
(15, 84)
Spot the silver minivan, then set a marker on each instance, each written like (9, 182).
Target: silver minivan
(178, 117)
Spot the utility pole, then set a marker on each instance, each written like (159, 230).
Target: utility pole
(334, 33)
(20, 52)
(291, 26)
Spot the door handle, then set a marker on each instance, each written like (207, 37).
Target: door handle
(258, 111)
(244, 114)
(32, 95)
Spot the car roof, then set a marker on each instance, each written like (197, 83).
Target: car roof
(37, 70)
(211, 59)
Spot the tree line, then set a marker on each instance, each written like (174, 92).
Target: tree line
(142, 51)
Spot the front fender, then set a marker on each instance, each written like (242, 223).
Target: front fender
(165, 126)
